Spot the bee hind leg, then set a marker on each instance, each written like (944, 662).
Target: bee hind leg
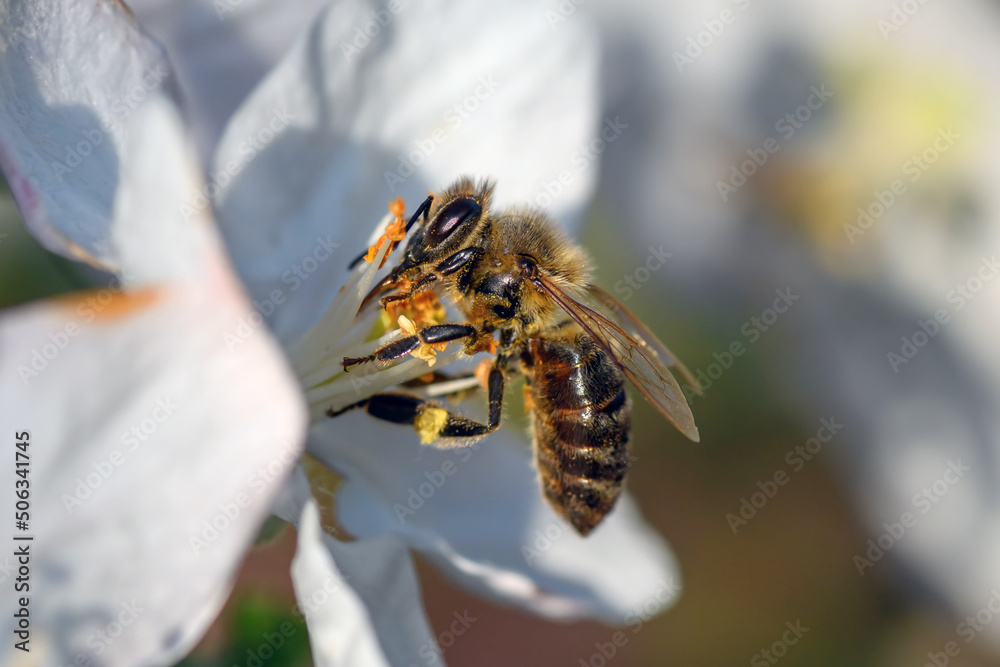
(430, 420)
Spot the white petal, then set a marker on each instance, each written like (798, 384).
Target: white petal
(481, 517)
(70, 75)
(221, 49)
(361, 600)
(163, 231)
(146, 416)
(294, 495)
(161, 426)
(342, 122)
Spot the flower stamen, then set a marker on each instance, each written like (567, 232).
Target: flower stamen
(426, 351)
(394, 232)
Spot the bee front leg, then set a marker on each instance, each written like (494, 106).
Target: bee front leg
(437, 333)
(419, 285)
(454, 263)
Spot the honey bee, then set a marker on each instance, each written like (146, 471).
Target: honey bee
(513, 273)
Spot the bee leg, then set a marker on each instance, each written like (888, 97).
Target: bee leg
(384, 285)
(429, 419)
(457, 261)
(417, 286)
(421, 210)
(435, 422)
(437, 333)
(448, 266)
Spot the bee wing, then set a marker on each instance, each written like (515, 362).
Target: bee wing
(643, 368)
(642, 335)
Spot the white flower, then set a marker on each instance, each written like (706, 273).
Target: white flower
(95, 155)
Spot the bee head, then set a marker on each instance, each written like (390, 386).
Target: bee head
(456, 219)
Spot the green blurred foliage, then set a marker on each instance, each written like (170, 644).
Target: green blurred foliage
(260, 630)
(27, 271)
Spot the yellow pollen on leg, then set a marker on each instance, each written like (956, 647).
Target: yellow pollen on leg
(430, 423)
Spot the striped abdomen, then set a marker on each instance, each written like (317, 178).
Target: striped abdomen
(581, 420)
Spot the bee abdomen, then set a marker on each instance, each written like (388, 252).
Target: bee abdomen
(582, 456)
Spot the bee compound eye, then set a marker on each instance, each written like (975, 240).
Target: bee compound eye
(451, 217)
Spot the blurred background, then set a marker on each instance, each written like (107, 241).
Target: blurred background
(822, 179)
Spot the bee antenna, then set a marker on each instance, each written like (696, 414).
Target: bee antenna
(421, 210)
